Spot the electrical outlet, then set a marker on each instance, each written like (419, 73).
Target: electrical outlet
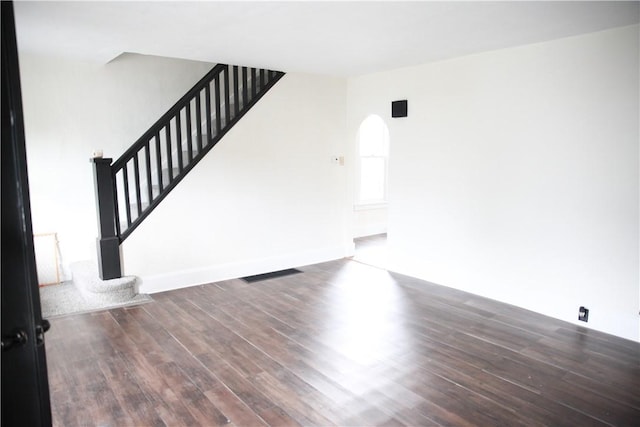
(583, 314)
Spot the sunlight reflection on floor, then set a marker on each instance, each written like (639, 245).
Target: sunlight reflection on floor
(367, 323)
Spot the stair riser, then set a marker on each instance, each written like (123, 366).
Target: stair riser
(85, 279)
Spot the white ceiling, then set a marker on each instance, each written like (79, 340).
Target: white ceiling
(335, 38)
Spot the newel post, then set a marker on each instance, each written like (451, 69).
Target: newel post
(108, 242)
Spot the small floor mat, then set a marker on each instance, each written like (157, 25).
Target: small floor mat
(272, 275)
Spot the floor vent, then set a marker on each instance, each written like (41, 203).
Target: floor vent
(272, 275)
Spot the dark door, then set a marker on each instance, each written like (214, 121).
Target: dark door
(25, 389)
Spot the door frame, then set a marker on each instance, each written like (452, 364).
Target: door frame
(25, 387)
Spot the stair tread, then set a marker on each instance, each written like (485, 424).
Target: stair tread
(85, 276)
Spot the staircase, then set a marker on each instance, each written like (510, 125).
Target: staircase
(130, 188)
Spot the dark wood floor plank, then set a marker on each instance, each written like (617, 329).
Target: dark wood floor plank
(130, 396)
(341, 343)
(617, 392)
(510, 365)
(535, 408)
(201, 382)
(247, 392)
(193, 398)
(281, 378)
(147, 365)
(588, 402)
(285, 396)
(235, 409)
(573, 358)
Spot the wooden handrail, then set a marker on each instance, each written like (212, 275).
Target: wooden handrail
(162, 121)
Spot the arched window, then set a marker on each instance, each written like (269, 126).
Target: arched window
(373, 148)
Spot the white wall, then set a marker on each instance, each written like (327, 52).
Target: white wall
(72, 107)
(266, 196)
(369, 220)
(515, 175)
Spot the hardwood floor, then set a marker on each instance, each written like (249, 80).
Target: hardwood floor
(342, 343)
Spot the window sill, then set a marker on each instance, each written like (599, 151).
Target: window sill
(369, 206)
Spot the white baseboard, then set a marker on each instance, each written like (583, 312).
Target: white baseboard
(370, 230)
(350, 248)
(217, 273)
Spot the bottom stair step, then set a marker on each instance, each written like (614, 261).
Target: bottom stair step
(115, 291)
